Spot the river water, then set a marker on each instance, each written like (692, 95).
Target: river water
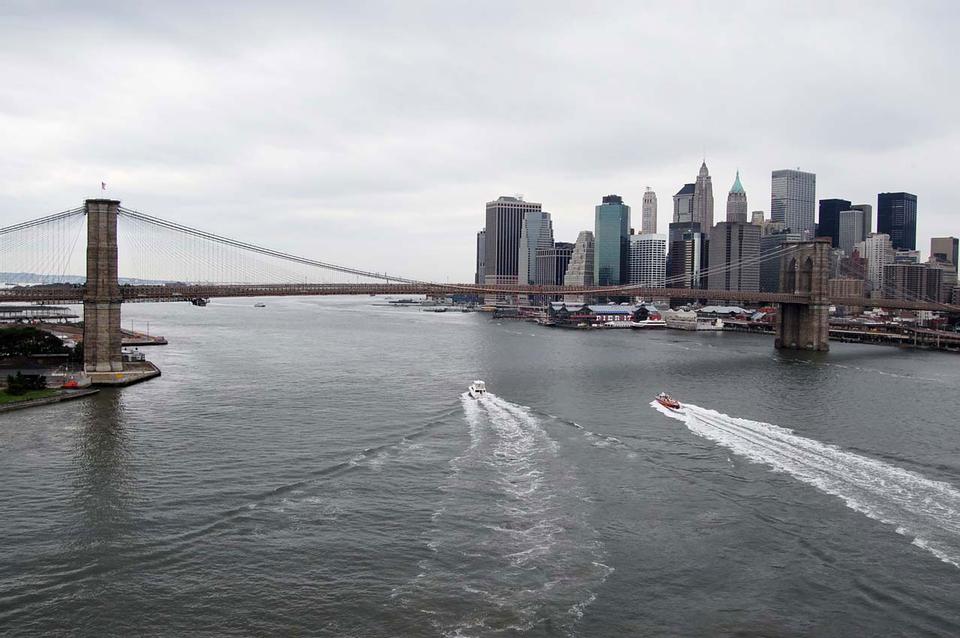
(314, 468)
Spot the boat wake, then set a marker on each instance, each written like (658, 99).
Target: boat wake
(510, 543)
(924, 510)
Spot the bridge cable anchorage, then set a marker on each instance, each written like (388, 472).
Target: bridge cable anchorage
(254, 248)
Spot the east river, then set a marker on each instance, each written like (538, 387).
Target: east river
(313, 468)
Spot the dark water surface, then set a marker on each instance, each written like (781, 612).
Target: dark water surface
(312, 468)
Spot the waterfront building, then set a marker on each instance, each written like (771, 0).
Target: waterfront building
(734, 256)
(703, 199)
(850, 229)
(552, 264)
(502, 240)
(481, 257)
(580, 267)
(878, 251)
(913, 282)
(737, 202)
(829, 221)
(536, 232)
(793, 200)
(683, 204)
(648, 260)
(648, 212)
(756, 217)
(897, 217)
(867, 218)
(770, 256)
(612, 228)
(688, 256)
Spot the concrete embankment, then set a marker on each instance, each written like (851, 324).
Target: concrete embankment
(64, 395)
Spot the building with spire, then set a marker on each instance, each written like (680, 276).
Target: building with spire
(737, 202)
(703, 199)
(648, 212)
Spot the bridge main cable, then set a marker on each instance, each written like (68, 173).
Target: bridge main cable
(163, 223)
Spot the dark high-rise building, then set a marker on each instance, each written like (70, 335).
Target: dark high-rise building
(611, 249)
(897, 217)
(502, 239)
(481, 256)
(688, 256)
(552, 264)
(828, 224)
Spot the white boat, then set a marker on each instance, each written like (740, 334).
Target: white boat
(477, 389)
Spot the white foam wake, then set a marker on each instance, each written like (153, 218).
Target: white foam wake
(925, 510)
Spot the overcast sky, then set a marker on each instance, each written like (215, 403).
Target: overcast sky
(371, 134)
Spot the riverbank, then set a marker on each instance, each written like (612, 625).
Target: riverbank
(9, 403)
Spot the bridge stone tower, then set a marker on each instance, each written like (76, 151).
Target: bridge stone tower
(805, 271)
(101, 302)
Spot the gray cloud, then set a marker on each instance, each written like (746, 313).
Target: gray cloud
(372, 133)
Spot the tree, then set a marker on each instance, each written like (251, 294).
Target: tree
(24, 341)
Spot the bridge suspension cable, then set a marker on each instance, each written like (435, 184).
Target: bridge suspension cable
(219, 265)
(43, 250)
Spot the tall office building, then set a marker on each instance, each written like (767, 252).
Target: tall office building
(683, 204)
(913, 282)
(611, 230)
(945, 250)
(481, 256)
(502, 242)
(648, 260)
(829, 224)
(552, 263)
(737, 202)
(793, 200)
(648, 212)
(877, 249)
(897, 217)
(734, 257)
(850, 225)
(580, 267)
(756, 217)
(703, 199)
(867, 218)
(772, 240)
(536, 232)
(688, 257)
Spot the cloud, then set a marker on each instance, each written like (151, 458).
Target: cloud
(372, 133)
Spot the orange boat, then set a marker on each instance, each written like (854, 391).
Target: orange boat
(667, 401)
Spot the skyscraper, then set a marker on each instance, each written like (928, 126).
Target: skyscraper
(502, 241)
(897, 217)
(829, 224)
(945, 250)
(850, 229)
(756, 217)
(688, 256)
(612, 227)
(703, 199)
(793, 200)
(867, 218)
(552, 263)
(734, 252)
(683, 204)
(536, 232)
(648, 260)
(737, 202)
(648, 212)
(481, 256)
(580, 267)
(878, 251)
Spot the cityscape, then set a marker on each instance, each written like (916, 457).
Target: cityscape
(267, 369)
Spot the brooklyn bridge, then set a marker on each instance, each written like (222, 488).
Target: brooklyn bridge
(162, 261)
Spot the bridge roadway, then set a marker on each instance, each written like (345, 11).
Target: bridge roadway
(65, 294)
